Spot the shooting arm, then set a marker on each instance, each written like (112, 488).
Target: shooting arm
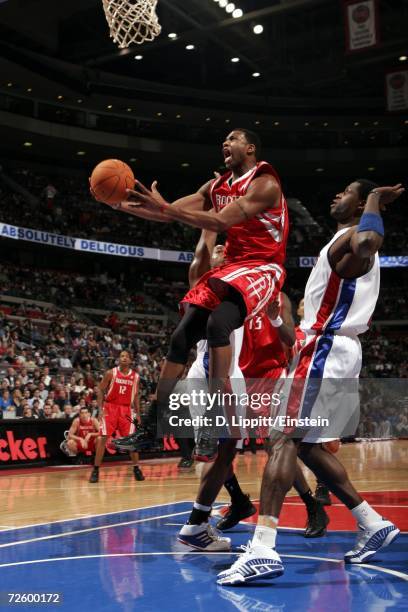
(264, 192)
(202, 256)
(102, 386)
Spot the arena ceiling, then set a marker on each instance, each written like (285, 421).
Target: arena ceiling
(300, 54)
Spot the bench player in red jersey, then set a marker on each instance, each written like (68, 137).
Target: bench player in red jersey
(118, 401)
(82, 434)
(246, 202)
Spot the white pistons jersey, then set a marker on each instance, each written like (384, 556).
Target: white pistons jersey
(336, 305)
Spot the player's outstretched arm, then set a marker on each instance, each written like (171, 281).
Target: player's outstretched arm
(73, 430)
(351, 255)
(202, 257)
(263, 193)
(157, 212)
(280, 315)
(101, 388)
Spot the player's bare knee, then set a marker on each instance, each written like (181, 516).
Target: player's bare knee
(277, 441)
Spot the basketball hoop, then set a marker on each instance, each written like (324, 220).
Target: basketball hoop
(132, 21)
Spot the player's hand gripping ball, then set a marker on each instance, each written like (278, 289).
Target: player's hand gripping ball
(109, 181)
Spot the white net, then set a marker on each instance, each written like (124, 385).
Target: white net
(132, 21)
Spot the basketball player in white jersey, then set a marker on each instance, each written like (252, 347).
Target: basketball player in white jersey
(340, 298)
(197, 532)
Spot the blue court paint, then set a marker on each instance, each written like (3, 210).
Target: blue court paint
(111, 562)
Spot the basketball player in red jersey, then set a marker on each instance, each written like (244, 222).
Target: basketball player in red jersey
(82, 434)
(118, 401)
(247, 202)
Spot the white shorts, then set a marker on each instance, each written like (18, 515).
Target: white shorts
(197, 377)
(322, 384)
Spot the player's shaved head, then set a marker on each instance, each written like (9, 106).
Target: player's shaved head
(251, 138)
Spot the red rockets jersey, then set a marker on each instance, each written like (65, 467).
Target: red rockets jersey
(262, 350)
(85, 428)
(261, 238)
(122, 389)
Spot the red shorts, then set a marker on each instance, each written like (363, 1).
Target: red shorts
(117, 418)
(264, 397)
(258, 282)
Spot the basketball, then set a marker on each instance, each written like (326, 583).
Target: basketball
(109, 181)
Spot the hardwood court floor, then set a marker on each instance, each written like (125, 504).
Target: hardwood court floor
(43, 495)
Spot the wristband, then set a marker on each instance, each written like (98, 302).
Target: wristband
(277, 322)
(371, 222)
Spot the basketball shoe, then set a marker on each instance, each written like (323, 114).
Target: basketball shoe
(236, 512)
(206, 448)
(256, 563)
(370, 540)
(317, 521)
(203, 537)
(322, 494)
(140, 439)
(137, 473)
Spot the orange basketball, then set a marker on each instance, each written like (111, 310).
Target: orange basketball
(109, 181)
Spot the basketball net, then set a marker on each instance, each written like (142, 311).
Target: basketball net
(132, 21)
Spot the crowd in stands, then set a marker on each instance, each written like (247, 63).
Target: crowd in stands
(64, 206)
(71, 211)
(52, 360)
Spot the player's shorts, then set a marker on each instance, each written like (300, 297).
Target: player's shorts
(257, 281)
(264, 398)
(322, 384)
(117, 418)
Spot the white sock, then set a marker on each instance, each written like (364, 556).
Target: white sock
(264, 536)
(198, 506)
(365, 515)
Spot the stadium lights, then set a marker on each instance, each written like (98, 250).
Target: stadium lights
(138, 57)
(371, 168)
(234, 60)
(29, 89)
(256, 74)
(80, 152)
(185, 165)
(403, 58)
(230, 8)
(190, 47)
(172, 35)
(28, 144)
(257, 29)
